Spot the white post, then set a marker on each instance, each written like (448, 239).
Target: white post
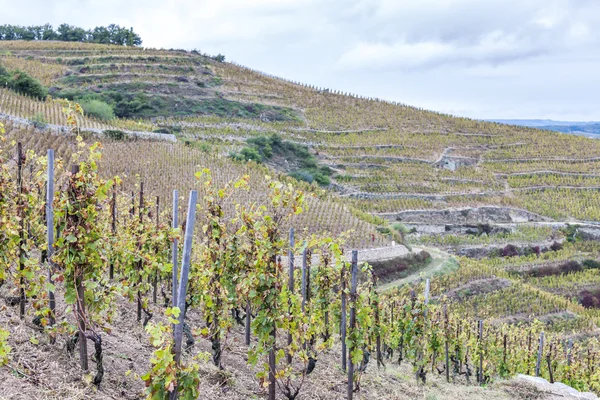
(185, 269)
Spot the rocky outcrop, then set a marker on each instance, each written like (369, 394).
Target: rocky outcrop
(468, 215)
(556, 390)
(494, 249)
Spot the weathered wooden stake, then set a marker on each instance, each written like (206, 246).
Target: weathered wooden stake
(21, 206)
(569, 351)
(480, 372)
(290, 285)
(549, 362)
(175, 225)
(50, 235)
(155, 282)
(80, 306)
(539, 357)
(446, 344)
(304, 285)
(248, 321)
(113, 213)
(377, 325)
(354, 283)
(343, 319)
(139, 265)
(304, 279)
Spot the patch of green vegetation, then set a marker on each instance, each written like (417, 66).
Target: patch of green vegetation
(22, 83)
(98, 109)
(135, 100)
(305, 166)
(215, 81)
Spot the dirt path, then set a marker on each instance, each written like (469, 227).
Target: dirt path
(441, 263)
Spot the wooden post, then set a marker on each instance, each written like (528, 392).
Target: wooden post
(549, 362)
(426, 294)
(446, 332)
(175, 225)
(569, 351)
(139, 265)
(354, 283)
(304, 286)
(377, 325)
(304, 280)
(420, 370)
(185, 269)
(290, 285)
(539, 357)
(50, 234)
(132, 211)
(113, 214)
(20, 208)
(504, 352)
(343, 321)
(80, 306)
(155, 282)
(273, 363)
(248, 322)
(480, 372)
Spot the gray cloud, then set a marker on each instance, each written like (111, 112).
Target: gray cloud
(492, 58)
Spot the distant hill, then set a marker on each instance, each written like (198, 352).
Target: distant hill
(589, 128)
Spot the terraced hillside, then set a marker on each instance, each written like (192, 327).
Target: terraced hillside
(523, 202)
(384, 157)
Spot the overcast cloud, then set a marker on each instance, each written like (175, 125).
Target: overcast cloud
(476, 58)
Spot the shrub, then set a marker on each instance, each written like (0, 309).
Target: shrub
(98, 109)
(564, 268)
(302, 176)
(556, 246)
(248, 154)
(510, 251)
(322, 179)
(591, 264)
(590, 299)
(4, 76)
(25, 84)
(205, 147)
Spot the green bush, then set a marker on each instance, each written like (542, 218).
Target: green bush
(302, 176)
(4, 76)
(321, 179)
(591, 264)
(98, 109)
(248, 154)
(25, 84)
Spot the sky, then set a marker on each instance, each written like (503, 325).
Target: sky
(474, 58)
